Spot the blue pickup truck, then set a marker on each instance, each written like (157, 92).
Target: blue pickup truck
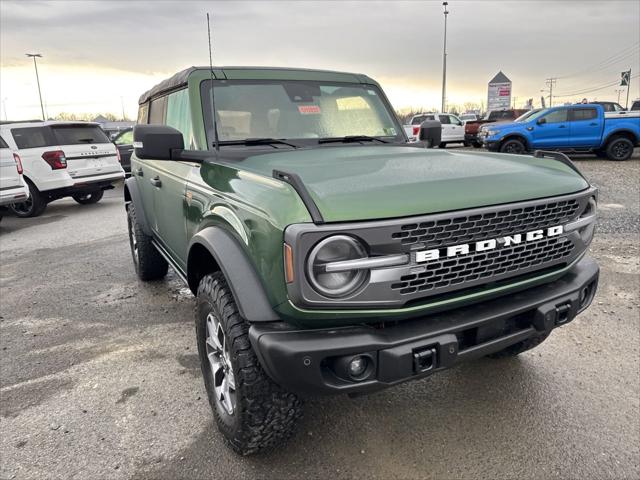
(573, 129)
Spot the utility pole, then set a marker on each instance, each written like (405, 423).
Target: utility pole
(550, 82)
(122, 104)
(4, 107)
(619, 91)
(514, 102)
(626, 105)
(444, 59)
(35, 64)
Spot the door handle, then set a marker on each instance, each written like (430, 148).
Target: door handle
(156, 182)
(562, 126)
(593, 124)
(139, 172)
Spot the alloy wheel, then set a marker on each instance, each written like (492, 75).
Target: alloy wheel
(224, 382)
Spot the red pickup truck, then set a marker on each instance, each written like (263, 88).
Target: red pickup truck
(472, 128)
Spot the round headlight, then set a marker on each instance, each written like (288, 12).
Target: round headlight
(336, 248)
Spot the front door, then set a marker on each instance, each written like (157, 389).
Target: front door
(552, 130)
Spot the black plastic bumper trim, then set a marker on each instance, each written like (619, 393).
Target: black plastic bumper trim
(297, 359)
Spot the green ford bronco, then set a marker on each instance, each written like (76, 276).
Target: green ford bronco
(328, 255)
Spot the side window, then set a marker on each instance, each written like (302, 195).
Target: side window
(143, 113)
(32, 137)
(444, 119)
(579, 114)
(557, 116)
(3, 144)
(157, 111)
(179, 116)
(455, 120)
(125, 138)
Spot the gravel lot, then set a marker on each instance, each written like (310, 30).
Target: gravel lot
(100, 376)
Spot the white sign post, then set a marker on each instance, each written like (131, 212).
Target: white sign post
(499, 93)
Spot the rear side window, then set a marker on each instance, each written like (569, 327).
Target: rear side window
(578, 114)
(79, 134)
(32, 137)
(157, 111)
(179, 116)
(143, 113)
(444, 119)
(3, 144)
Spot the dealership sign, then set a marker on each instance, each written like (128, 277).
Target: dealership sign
(499, 93)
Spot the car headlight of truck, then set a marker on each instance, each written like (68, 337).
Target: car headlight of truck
(491, 133)
(340, 281)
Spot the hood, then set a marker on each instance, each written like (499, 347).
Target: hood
(502, 124)
(375, 182)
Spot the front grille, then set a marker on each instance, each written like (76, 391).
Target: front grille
(484, 267)
(464, 229)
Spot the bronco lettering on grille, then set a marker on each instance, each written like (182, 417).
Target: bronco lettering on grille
(485, 245)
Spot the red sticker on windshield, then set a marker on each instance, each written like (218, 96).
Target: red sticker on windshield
(309, 109)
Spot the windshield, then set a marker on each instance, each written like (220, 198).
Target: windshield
(297, 110)
(526, 116)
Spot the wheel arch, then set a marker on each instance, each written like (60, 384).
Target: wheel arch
(214, 249)
(621, 133)
(132, 196)
(516, 136)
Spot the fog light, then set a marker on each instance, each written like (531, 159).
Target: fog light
(357, 366)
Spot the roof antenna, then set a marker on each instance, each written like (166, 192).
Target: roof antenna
(211, 96)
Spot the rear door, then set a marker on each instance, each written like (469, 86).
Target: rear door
(9, 176)
(585, 127)
(553, 132)
(88, 150)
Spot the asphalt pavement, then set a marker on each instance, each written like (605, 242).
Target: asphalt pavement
(100, 379)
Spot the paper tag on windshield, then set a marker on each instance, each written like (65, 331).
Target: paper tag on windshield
(309, 109)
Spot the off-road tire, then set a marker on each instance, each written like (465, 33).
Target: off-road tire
(619, 149)
(514, 146)
(518, 348)
(89, 198)
(265, 414)
(148, 262)
(33, 206)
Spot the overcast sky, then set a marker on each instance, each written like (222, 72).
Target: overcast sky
(99, 55)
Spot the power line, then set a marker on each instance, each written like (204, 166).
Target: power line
(594, 89)
(625, 52)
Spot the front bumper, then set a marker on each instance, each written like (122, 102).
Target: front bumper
(310, 362)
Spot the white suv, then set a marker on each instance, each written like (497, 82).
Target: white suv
(12, 186)
(452, 127)
(62, 159)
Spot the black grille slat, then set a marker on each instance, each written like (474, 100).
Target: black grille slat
(448, 271)
(464, 229)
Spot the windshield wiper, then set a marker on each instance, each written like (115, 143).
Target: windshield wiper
(351, 139)
(259, 141)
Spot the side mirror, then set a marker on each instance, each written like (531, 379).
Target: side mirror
(430, 133)
(541, 121)
(157, 142)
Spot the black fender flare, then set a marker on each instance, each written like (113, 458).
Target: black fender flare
(621, 133)
(246, 287)
(132, 195)
(515, 136)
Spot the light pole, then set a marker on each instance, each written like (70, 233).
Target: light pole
(35, 64)
(4, 107)
(619, 91)
(444, 58)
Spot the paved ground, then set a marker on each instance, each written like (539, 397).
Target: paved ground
(100, 377)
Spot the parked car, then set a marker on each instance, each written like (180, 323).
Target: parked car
(576, 128)
(62, 159)
(471, 129)
(452, 127)
(124, 144)
(468, 117)
(12, 186)
(609, 106)
(330, 256)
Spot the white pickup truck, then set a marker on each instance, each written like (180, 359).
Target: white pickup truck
(452, 127)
